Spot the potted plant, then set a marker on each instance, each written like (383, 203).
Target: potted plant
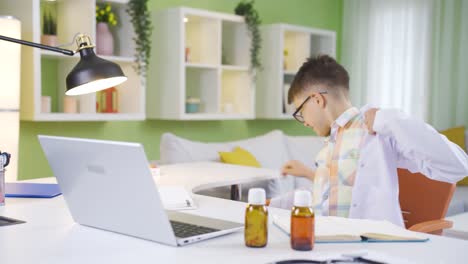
(252, 19)
(105, 17)
(49, 23)
(141, 21)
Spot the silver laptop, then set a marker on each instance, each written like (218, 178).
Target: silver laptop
(108, 185)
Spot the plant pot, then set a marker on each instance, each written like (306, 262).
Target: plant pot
(192, 105)
(104, 39)
(49, 40)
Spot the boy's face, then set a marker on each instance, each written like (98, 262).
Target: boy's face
(314, 112)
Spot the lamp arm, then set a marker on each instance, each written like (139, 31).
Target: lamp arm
(36, 45)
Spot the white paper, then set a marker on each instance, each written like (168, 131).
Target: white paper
(176, 198)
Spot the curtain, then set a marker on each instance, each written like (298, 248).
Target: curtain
(387, 52)
(449, 82)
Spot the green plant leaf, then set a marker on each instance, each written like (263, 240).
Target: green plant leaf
(252, 19)
(141, 20)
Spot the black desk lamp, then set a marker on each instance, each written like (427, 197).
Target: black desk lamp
(91, 74)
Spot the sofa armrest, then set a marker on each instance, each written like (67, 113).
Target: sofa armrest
(432, 227)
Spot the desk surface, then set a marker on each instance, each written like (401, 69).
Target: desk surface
(460, 226)
(51, 236)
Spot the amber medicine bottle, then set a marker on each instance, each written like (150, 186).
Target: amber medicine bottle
(302, 222)
(256, 219)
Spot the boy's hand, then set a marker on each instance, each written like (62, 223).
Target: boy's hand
(369, 118)
(297, 168)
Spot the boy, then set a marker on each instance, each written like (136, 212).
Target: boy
(356, 174)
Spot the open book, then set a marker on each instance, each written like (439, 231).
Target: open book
(338, 230)
(176, 198)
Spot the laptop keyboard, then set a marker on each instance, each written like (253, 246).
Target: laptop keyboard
(184, 230)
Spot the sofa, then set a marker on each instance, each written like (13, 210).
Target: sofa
(271, 150)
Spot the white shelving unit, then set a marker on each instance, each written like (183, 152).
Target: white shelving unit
(279, 69)
(216, 69)
(73, 16)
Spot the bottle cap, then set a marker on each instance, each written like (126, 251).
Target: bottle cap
(257, 196)
(302, 198)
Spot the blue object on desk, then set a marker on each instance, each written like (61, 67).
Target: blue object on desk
(31, 190)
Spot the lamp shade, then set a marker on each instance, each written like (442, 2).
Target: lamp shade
(10, 54)
(93, 74)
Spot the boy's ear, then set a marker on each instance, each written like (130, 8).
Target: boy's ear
(320, 100)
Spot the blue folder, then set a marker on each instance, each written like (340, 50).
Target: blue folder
(31, 190)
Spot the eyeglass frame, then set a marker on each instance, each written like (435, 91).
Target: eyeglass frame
(297, 115)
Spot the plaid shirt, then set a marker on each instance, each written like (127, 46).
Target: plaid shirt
(337, 164)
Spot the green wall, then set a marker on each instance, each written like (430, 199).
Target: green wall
(325, 14)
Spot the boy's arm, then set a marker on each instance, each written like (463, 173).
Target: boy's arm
(421, 148)
(298, 169)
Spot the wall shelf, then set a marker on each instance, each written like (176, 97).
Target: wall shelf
(43, 73)
(201, 66)
(235, 68)
(52, 55)
(64, 117)
(289, 72)
(204, 55)
(285, 48)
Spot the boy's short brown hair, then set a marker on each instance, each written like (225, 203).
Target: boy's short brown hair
(321, 69)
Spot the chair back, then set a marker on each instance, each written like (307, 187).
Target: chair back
(422, 199)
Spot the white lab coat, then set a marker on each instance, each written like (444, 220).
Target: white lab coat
(400, 142)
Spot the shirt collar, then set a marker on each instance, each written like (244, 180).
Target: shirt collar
(346, 116)
(341, 121)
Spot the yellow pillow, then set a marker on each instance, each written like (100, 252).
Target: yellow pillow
(457, 136)
(239, 156)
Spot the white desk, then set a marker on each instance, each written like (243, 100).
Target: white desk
(206, 175)
(460, 226)
(51, 236)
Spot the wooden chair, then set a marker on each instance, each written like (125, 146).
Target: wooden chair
(424, 202)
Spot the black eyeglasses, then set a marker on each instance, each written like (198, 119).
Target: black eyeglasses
(297, 114)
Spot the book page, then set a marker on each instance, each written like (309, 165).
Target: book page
(347, 229)
(326, 230)
(383, 230)
(335, 229)
(176, 198)
(371, 229)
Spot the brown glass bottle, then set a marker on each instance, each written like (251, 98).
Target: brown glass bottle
(302, 222)
(302, 228)
(256, 219)
(256, 226)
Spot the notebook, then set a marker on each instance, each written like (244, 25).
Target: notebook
(176, 198)
(341, 230)
(31, 190)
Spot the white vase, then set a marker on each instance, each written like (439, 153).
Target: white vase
(70, 105)
(104, 39)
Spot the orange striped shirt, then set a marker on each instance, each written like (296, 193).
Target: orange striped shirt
(337, 164)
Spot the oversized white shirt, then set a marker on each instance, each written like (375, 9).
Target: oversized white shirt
(400, 142)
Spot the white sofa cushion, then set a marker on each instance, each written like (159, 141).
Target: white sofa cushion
(305, 150)
(174, 149)
(270, 150)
